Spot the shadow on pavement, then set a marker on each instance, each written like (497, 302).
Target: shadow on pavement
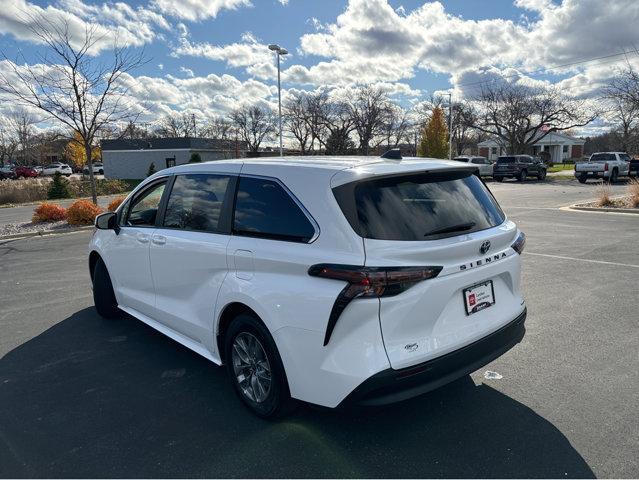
(95, 398)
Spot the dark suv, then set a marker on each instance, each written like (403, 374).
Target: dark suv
(520, 167)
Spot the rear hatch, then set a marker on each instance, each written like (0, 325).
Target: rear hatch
(449, 220)
(505, 165)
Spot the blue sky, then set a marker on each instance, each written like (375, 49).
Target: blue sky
(209, 56)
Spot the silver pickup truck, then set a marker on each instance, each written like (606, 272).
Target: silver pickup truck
(607, 165)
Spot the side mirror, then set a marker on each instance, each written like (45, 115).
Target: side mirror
(107, 221)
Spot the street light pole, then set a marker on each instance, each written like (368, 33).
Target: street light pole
(279, 51)
(450, 126)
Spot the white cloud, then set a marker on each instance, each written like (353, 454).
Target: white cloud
(249, 53)
(111, 21)
(371, 42)
(187, 71)
(194, 10)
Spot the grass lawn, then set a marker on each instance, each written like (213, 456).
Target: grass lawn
(560, 167)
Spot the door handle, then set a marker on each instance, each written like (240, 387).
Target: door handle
(143, 237)
(158, 239)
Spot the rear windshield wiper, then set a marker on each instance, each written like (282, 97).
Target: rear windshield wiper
(453, 228)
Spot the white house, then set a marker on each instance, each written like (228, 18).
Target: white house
(557, 147)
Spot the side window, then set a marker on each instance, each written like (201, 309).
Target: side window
(624, 157)
(264, 209)
(195, 202)
(144, 208)
(478, 161)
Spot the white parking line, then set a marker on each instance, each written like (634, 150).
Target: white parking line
(587, 260)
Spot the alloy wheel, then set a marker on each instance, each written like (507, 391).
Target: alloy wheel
(251, 367)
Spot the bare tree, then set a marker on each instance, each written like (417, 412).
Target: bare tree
(8, 145)
(219, 128)
(621, 102)
(370, 110)
(338, 121)
(178, 125)
(464, 134)
(298, 120)
(317, 119)
(518, 116)
(22, 122)
(395, 128)
(254, 124)
(69, 84)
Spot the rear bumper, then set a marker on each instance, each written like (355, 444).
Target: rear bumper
(389, 386)
(592, 174)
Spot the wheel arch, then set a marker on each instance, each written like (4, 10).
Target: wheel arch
(94, 256)
(227, 315)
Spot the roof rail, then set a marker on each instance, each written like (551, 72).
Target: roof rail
(393, 154)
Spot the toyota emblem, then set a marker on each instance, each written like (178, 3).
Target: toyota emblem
(484, 247)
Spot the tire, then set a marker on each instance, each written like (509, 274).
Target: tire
(582, 178)
(249, 347)
(103, 296)
(541, 176)
(522, 176)
(101, 172)
(614, 175)
(499, 179)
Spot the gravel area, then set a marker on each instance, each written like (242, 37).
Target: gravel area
(30, 227)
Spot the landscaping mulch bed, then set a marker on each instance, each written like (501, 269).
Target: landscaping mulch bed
(621, 204)
(30, 227)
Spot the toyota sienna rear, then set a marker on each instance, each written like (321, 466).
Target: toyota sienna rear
(333, 281)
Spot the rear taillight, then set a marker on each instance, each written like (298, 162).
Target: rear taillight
(520, 243)
(368, 282)
(605, 167)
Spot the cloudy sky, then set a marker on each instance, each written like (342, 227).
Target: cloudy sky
(210, 55)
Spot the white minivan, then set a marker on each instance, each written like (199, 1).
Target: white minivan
(329, 280)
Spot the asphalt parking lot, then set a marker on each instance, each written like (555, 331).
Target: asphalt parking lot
(84, 397)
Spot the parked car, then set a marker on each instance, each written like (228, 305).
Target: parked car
(520, 167)
(350, 280)
(63, 168)
(483, 164)
(606, 165)
(98, 169)
(7, 171)
(38, 168)
(25, 172)
(633, 168)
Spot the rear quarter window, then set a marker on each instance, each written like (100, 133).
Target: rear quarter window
(263, 208)
(419, 207)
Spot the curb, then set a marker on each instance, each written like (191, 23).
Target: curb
(45, 233)
(631, 211)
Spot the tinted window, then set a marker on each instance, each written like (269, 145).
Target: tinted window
(602, 157)
(461, 159)
(420, 207)
(506, 160)
(625, 157)
(144, 208)
(478, 161)
(264, 209)
(195, 202)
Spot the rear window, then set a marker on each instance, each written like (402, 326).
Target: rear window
(416, 207)
(603, 157)
(506, 160)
